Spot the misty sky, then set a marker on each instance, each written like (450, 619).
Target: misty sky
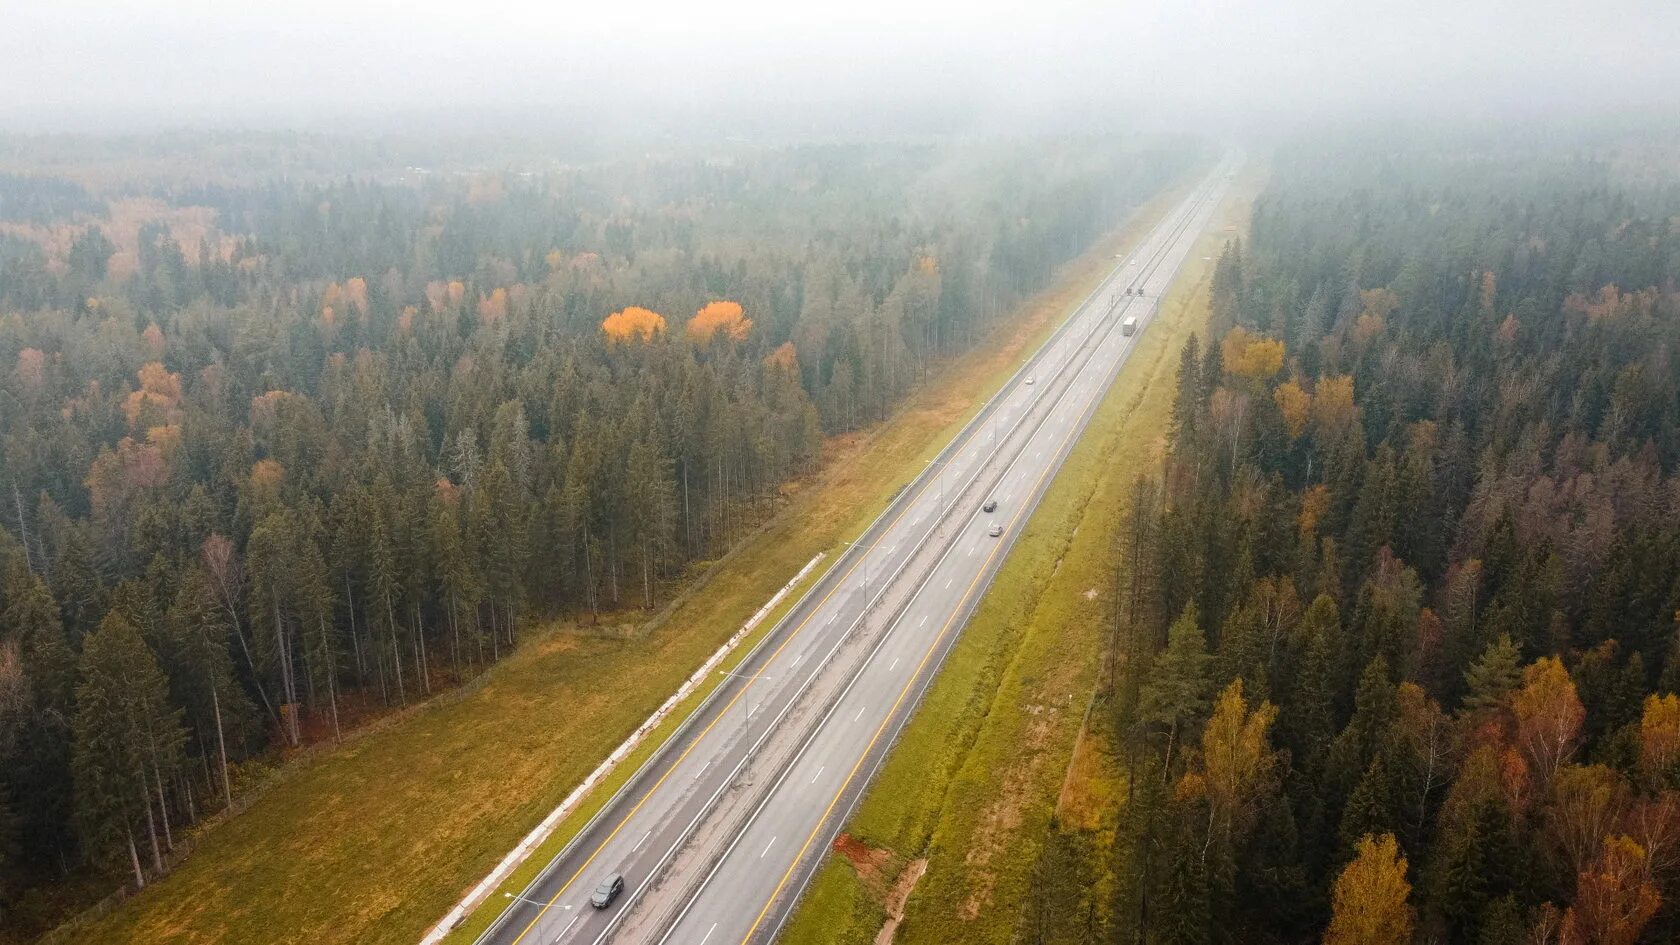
(180, 58)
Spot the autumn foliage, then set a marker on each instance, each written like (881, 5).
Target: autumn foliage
(1333, 407)
(1549, 716)
(1370, 900)
(633, 323)
(1236, 756)
(785, 357)
(32, 368)
(716, 318)
(493, 307)
(1295, 404)
(160, 392)
(118, 475)
(1614, 896)
(1252, 356)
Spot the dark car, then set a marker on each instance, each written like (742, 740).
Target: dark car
(605, 893)
(990, 506)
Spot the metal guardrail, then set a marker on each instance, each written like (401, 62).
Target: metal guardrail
(1040, 412)
(842, 566)
(923, 683)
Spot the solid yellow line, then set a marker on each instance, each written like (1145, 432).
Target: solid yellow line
(721, 714)
(943, 630)
(725, 711)
(949, 621)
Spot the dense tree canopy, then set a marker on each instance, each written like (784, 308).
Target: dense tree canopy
(1422, 501)
(280, 451)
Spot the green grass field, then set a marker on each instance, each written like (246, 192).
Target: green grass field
(374, 841)
(974, 781)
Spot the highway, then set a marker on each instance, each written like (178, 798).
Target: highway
(717, 832)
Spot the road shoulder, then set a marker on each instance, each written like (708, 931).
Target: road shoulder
(972, 785)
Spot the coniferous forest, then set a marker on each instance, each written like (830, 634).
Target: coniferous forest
(1395, 647)
(1396, 654)
(294, 433)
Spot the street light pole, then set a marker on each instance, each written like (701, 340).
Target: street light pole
(746, 718)
(865, 566)
(532, 902)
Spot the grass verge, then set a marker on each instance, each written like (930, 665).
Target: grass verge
(978, 773)
(374, 841)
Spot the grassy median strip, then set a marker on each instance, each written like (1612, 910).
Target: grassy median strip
(375, 841)
(970, 788)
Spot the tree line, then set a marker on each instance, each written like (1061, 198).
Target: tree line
(1394, 649)
(266, 479)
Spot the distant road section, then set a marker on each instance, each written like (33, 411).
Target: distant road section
(716, 835)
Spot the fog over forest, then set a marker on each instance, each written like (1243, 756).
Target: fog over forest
(86, 65)
(403, 400)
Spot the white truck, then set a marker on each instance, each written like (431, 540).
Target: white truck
(1129, 326)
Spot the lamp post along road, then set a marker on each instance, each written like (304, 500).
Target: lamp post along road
(746, 716)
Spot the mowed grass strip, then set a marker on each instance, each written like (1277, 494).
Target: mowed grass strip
(375, 841)
(975, 778)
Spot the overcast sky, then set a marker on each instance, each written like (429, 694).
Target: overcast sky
(282, 62)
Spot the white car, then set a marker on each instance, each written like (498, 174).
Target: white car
(995, 531)
(1029, 380)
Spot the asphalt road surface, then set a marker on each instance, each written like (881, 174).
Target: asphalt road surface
(718, 832)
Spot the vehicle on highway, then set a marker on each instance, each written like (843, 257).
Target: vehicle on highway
(1029, 380)
(1129, 326)
(995, 531)
(990, 506)
(605, 893)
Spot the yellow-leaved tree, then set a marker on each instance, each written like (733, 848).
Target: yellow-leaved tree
(1659, 735)
(1296, 406)
(1370, 902)
(1238, 759)
(159, 396)
(1549, 716)
(1252, 356)
(1333, 409)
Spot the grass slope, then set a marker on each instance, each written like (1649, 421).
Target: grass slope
(974, 781)
(374, 841)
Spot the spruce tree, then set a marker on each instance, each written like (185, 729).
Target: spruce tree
(1175, 694)
(125, 731)
(1493, 676)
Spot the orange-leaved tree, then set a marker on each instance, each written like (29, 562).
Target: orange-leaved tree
(719, 317)
(786, 358)
(1614, 896)
(633, 322)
